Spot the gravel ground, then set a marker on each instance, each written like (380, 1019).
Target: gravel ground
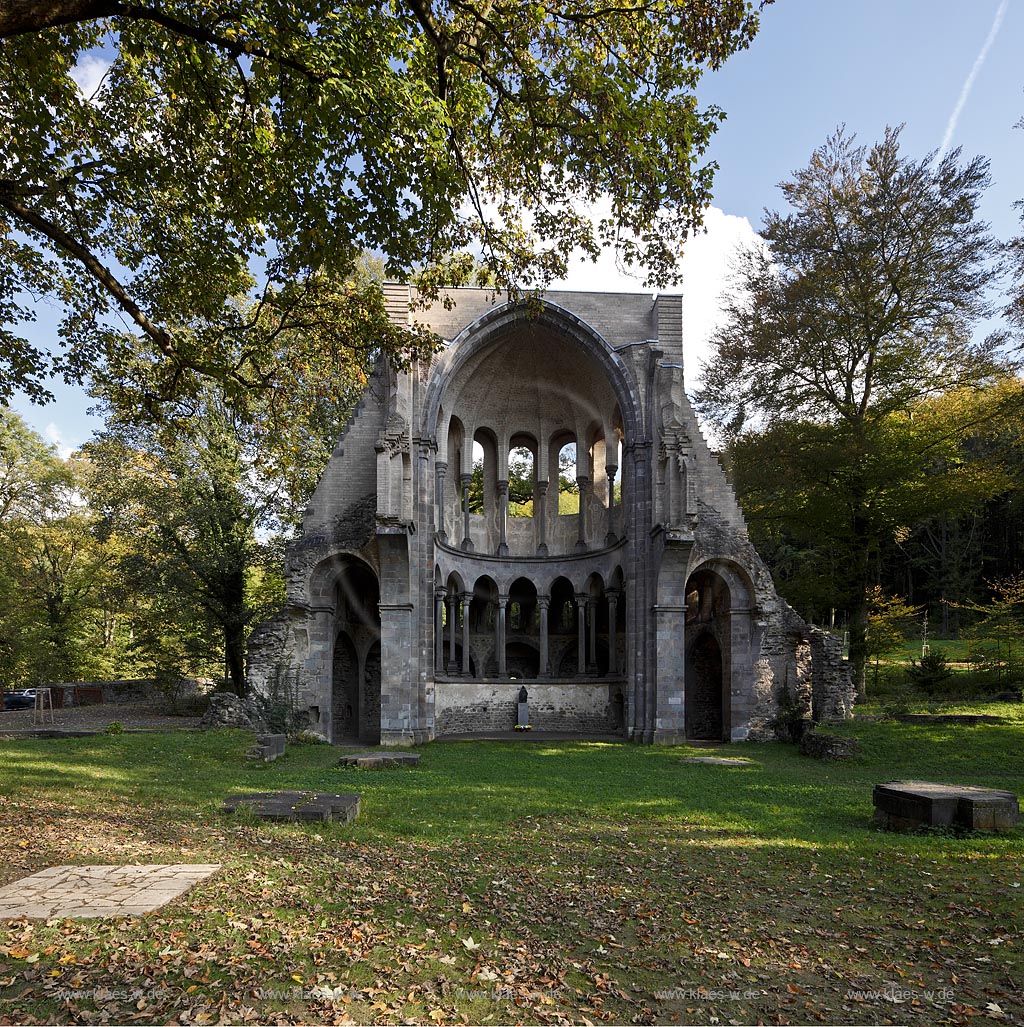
(98, 717)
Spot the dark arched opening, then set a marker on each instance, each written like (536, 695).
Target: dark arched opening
(704, 688)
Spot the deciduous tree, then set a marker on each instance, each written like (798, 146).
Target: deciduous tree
(226, 145)
(862, 306)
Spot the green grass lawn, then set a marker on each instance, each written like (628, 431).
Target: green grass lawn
(521, 882)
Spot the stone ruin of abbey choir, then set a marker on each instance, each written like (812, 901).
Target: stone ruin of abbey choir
(415, 611)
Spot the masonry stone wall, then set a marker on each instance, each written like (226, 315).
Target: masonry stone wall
(605, 371)
(579, 707)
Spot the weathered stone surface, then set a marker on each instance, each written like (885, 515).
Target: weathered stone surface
(718, 761)
(906, 805)
(379, 760)
(227, 710)
(647, 613)
(822, 746)
(267, 748)
(100, 891)
(289, 805)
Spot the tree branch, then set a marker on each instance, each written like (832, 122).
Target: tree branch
(103, 277)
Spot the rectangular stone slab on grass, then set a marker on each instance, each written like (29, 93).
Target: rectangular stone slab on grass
(905, 805)
(378, 760)
(100, 891)
(291, 806)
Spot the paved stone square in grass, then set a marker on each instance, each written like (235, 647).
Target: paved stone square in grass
(291, 805)
(720, 761)
(97, 891)
(379, 759)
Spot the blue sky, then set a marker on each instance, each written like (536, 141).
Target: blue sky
(941, 67)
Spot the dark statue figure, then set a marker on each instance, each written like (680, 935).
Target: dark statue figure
(522, 694)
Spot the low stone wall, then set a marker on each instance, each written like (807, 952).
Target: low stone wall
(822, 746)
(127, 690)
(590, 707)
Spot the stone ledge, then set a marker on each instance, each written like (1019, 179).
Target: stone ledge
(379, 760)
(822, 746)
(290, 806)
(906, 805)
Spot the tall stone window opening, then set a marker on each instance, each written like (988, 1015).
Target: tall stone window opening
(521, 478)
(568, 486)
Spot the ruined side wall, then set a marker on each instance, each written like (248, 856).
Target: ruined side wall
(471, 706)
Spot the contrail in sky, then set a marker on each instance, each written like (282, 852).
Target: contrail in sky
(965, 92)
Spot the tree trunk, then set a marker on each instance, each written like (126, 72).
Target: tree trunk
(234, 657)
(235, 619)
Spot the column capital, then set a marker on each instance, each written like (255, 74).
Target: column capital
(440, 592)
(543, 602)
(466, 598)
(502, 600)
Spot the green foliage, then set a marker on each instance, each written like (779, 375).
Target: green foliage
(996, 638)
(931, 673)
(840, 332)
(115, 727)
(228, 143)
(61, 615)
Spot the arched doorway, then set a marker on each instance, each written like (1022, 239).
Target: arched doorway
(345, 690)
(356, 664)
(704, 689)
(708, 656)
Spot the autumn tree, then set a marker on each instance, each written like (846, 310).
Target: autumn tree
(58, 614)
(231, 149)
(861, 306)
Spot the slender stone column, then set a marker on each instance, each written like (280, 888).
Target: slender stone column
(453, 620)
(502, 518)
(467, 598)
(671, 470)
(439, 630)
(610, 539)
(499, 633)
(581, 629)
(613, 636)
(440, 473)
(592, 650)
(584, 486)
(540, 517)
(543, 602)
(467, 541)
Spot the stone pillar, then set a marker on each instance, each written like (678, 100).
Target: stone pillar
(467, 541)
(610, 539)
(439, 595)
(499, 634)
(581, 542)
(543, 602)
(440, 473)
(540, 517)
(613, 638)
(453, 620)
(467, 598)
(502, 518)
(671, 483)
(592, 649)
(581, 629)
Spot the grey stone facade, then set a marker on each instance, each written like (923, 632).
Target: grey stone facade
(646, 613)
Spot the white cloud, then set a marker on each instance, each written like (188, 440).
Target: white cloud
(706, 270)
(54, 434)
(88, 74)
